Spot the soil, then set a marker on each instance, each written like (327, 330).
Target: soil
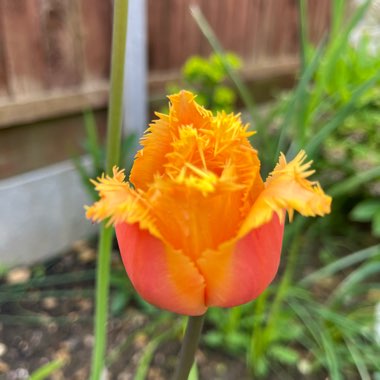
(46, 313)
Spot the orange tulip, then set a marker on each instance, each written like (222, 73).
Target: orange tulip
(198, 227)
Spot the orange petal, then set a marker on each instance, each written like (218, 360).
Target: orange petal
(151, 158)
(162, 276)
(185, 110)
(120, 203)
(160, 135)
(240, 271)
(287, 188)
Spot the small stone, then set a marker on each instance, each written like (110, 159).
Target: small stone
(124, 376)
(80, 245)
(21, 374)
(18, 275)
(4, 367)
(304, 366)
(88, 340)
(87, 256)
(85, 304)
(3, 349)
(52, 327)
(140, 341)
(57, 375)
(81, 374)
(220, 368)
(50, 303)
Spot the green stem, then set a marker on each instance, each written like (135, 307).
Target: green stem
(115, 108)
(115, 113)
(243, 90)
(189, 346)
(291, 265)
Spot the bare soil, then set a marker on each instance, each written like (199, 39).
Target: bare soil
(43, 318)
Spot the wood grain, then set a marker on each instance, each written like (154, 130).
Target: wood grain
(22, 38)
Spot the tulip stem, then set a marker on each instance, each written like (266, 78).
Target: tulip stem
(114, 126)
(189, 346)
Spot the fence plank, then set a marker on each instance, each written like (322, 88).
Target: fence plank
(158, 51)
(3, 73)
(22, 46)
(62, 42)
(96, 23)
(319, 16)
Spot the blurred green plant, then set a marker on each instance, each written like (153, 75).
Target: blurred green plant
(207, 78)
(325, 321)
(96, 151)
(368, 211)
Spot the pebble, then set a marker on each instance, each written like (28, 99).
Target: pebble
(87, 256)
(3, 349)
(50, 303)
(124, 376)
(140, 341)
(4, 367)
(89, 340)
(18, 275)
(80, 245)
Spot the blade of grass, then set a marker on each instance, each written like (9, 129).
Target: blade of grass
(358, 360)
(335, 47)
(147, 356)
(193, 375)
(343, 263)
(341, 36)
(322, 338)
(38, 295)
(205, 28)
(92, 139)
(364, 271)
(337, 16)
(352, 183)
(299, 93)
(342, 321)
(47, 370)
(50, 280)
(84, 176)
(303, 105)
(340, 116)
(303, 32)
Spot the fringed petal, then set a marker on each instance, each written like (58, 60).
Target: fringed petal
(120, 203)
(287, 188)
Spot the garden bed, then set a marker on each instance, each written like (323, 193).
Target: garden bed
(47, 314)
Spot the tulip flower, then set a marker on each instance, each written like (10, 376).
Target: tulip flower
(196, 224)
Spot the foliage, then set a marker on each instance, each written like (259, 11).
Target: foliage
(206, 77)
(96, 151)
(324, 321)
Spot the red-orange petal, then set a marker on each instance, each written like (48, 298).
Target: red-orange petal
(240, 271)
(162, 276)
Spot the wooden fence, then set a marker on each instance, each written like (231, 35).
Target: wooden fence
(54, 54)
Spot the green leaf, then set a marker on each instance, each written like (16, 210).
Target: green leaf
(322, 337)
(47, 370)
(343, 263)
(352, 183)
(376, 224)
(284, 354)
(340, 116)
(193, 375)
(365, 210)
(358, 360)
(213, 338)
(362, 273)
(219, 51)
